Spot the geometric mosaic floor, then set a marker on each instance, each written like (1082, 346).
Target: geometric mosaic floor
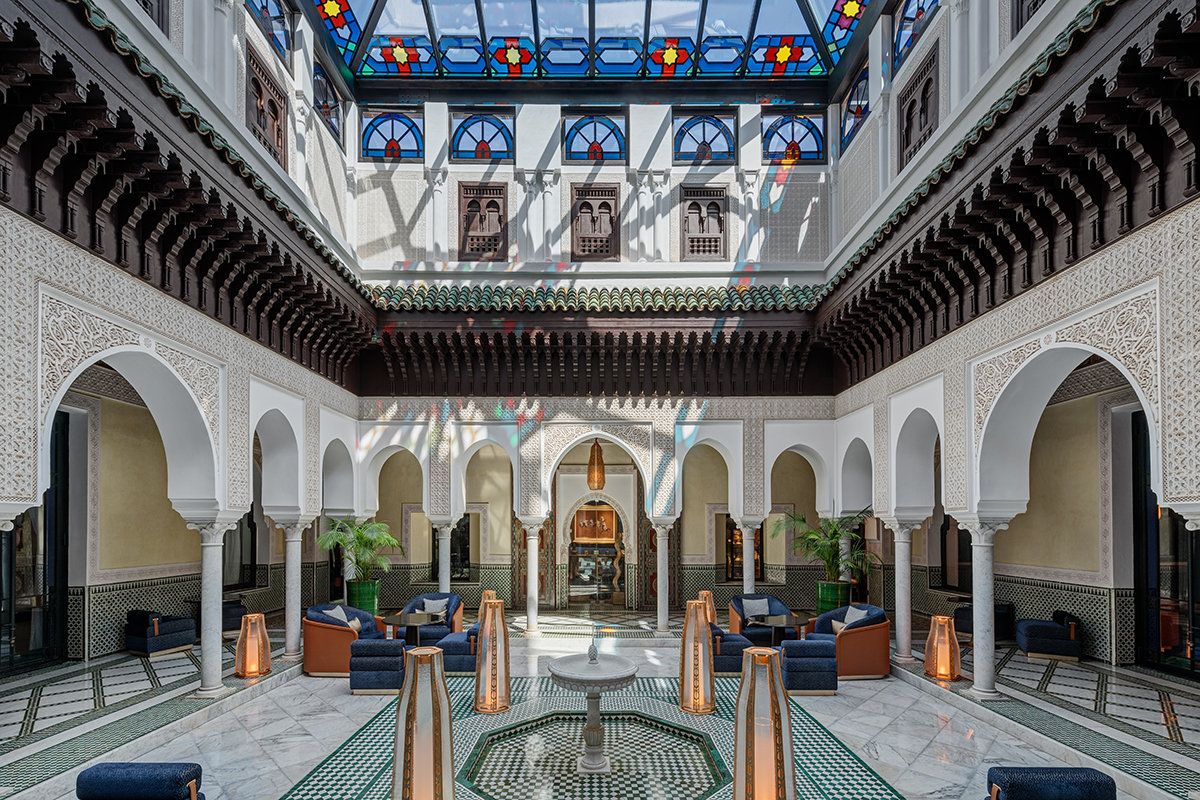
(362, 767)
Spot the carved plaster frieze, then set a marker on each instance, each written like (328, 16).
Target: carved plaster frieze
(990, 378)
(69, 337)
(203, 378)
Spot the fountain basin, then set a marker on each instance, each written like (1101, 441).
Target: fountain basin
(593, 674)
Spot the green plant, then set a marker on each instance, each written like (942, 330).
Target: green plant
(360, 543)
(823, 543)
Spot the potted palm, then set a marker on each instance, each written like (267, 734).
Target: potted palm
(361, 543)
(823, 543)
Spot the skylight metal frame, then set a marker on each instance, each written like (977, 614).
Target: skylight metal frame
(833, 79)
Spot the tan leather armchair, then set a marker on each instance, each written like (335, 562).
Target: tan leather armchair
(327, 648)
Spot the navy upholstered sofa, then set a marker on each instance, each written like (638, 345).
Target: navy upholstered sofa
(432, 634)
(149, 633)
(232, 612)
(126, 780)
(810, 667)
(727, 651)
(1050, 783)
(1004, 624)
(760, 635)
(1060, 637)
(376, 666)
(458, 651)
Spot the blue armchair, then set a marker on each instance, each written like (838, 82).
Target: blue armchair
(127, 780)
(759, 635)
(1060, 638)
(432, 634)
(862, 646)
(1050, 783)
(376, 666)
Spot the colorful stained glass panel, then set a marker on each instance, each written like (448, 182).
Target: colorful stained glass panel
(462, 55)
(721, 55)
(840, 25)
(856, 109)
(618, 56)
(671, 57)
(399, 55)
(776, 56)
(342, 23)
(793, 138)
(393, 135)
(594, 138)
(512, 58)
(705, 138)
(481, 137)
(564, 57)
(911, 24)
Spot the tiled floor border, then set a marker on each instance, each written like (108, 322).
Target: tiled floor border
(1135, 770)
(51, 770)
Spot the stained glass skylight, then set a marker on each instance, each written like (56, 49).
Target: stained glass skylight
(619, 39)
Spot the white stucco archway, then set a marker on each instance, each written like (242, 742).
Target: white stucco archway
(913, 468)
(549, 474)
(337, 481)
(857, 477)
(468, 439)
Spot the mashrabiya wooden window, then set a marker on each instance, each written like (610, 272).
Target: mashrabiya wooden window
(266, 109)
(483, 212)
(595, 222)
(919, 108)
(703, 210)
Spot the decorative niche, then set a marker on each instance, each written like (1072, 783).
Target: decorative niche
(595, 222)
(483, 222)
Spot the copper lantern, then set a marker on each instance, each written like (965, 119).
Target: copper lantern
(595, 473)
(488, 594)
(942, 660)
(697, 683)
(253, 657)
(423, 768)
(492, 685)
(764, 766)
(710, 607)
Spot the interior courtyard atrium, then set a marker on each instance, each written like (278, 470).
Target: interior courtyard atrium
(506, 399)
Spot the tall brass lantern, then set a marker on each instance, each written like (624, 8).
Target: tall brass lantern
(596, 467)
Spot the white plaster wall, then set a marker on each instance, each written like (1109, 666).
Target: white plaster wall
(278, 486)
(813, 439)
(928, 396)
(726, 439)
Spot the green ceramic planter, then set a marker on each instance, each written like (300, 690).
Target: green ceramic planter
(363, 595)
(832, 595)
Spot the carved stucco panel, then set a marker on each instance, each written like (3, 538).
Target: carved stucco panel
(991, 376)
(203, 378)
(69, 337)
(312, 454)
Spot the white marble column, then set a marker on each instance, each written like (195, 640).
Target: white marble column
(224, 66)
(212, 583)
(533, 231)
(303, 110)
(641, 241)
(293, 530)
(977, 50)
(959, 33)
(902, 530)
(662, 533)
(443, 544)
(551, 217)
(662, 215)
(983, 600)
(531, 575)
(439, 231)
(748, 525)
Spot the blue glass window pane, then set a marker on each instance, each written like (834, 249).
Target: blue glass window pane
(563, 19)
(674, 18)
(671, 57)
(791, 139)
(454, 18)
(705, 139)
(274, 22)
(594, 138)
(462, 55)
(512, 57)
(508, 19)
(729, 18)
(840, 23)
(618, 56)
(721, 55)
(393, 136)
(326, 101)
(784, 55)
(402, 18)
(342, 22)
(857, 108)
(564, 57)
(911, 24)
(482, 137)
(620, 18)
(399, 55)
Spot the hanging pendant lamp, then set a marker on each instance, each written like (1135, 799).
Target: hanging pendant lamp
(596, 468)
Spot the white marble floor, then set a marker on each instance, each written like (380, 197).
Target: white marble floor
(923, 748)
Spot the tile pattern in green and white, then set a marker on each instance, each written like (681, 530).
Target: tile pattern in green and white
(489, 768)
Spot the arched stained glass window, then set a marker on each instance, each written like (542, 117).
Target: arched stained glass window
(594, 138)
(393, 136)
(326, 101)
(857, 108)
(792, 139)
(273, 18)
(486, 137)
(910, 26)
(705, 139)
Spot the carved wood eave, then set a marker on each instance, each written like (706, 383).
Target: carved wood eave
(116, 170)
(1103, 144)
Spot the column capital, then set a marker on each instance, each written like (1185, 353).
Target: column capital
(212, 530)
(437, 177)
(748, 525)
(660, 179)
(444, 530)
(548, 177)
(1189, 511)
(292, 527)
(533, 525)
(901, 527)
(529, 180)
(983, 529)
(662, 526)
(302, 108)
